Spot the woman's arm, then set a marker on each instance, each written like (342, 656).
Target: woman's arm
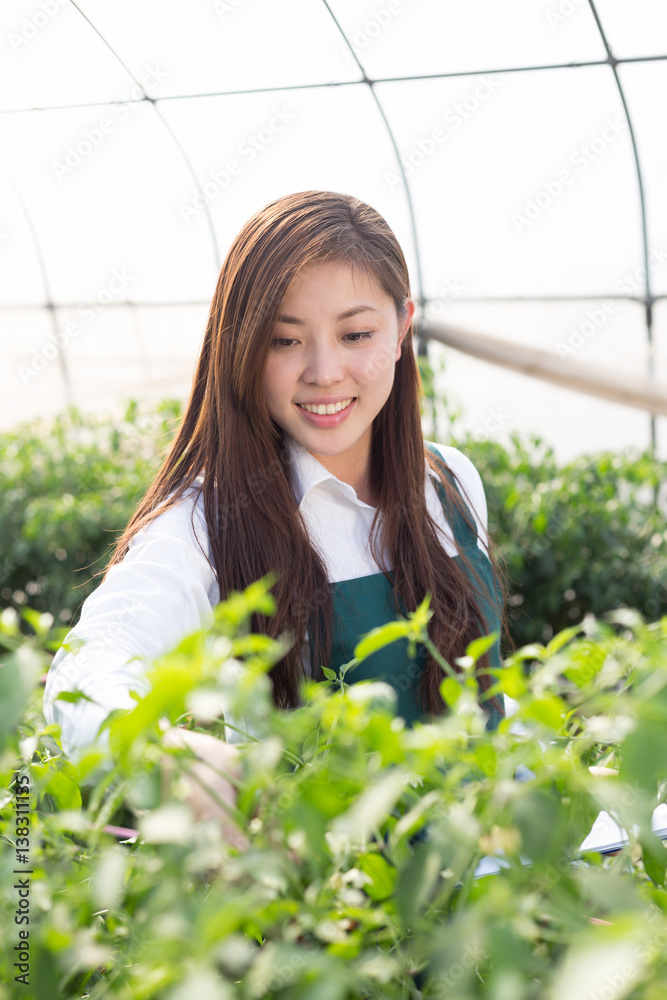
(163, 589)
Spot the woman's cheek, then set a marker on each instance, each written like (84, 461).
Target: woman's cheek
(379, 365)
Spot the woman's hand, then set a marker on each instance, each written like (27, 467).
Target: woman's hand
(209, 791)
(602, 772)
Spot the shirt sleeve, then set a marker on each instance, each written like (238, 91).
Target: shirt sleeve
(472, 488)
(163, 589)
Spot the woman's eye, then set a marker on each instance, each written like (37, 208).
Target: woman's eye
(282, 342)
(355, 338)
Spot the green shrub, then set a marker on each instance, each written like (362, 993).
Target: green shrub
(582, 537)
(364, 837)
(68, 489)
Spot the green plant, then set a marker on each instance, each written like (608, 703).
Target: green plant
(68, 489)
(364, 836)
(582, 537)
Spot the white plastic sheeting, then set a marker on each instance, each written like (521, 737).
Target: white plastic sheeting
(135, 139)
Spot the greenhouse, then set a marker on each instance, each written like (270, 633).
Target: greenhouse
(349, 762)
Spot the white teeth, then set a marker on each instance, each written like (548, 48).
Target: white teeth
(323, 408)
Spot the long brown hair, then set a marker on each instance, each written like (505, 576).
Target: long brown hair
(226, 433)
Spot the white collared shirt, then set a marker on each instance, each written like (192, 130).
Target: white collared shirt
(338, 522)
(165, 587)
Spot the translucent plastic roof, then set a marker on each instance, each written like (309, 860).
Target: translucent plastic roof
(517, 149)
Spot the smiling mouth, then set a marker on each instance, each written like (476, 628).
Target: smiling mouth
(322, 408)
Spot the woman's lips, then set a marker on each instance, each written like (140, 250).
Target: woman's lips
(327, 419)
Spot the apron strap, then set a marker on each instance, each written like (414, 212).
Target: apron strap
(462, 522)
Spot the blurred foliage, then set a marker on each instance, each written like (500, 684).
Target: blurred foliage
(581, 537)
(585, 536)
(364, 837)
(68, 489)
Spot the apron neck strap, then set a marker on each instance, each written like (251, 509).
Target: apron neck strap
(461, 521)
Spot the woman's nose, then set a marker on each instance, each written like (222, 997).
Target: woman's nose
(323, 366)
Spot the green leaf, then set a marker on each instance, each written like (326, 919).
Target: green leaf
(74, 696)
(421, 616)
(561, 638)
(380, 637)
(643, 760)
(533, 651)
(372, 807)
(512, 680)
(18, 676)
(478, 647)
(381, 872)
(654, 857)
(416, 881)
(549, 710)
(41, 623)
(450, 689)
(57, 778)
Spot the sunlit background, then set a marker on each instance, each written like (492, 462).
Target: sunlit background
(518, 150)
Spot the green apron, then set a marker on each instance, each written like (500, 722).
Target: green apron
(367, 602)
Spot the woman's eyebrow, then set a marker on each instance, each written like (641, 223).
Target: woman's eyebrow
(344, 315)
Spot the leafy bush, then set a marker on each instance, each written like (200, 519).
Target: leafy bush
(583, 537)
(364, 837)
(68, 489)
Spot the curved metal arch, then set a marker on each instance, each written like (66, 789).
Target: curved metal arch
(648, 298)
(50, 304)
(392, 138)
(170, 131)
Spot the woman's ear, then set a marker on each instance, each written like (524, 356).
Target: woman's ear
(404, 324)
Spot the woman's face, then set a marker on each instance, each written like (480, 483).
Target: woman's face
(333, 348)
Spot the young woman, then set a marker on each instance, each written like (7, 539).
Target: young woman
(301, 452)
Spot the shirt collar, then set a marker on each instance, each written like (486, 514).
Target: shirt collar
(307, 473)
